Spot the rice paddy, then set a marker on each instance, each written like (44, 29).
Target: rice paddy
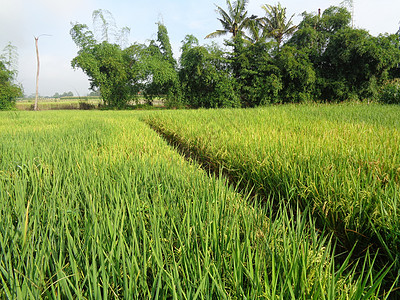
(97, 205)
(340, 162)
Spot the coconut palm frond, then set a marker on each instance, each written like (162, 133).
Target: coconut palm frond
(234, 20)
(216, 34)
(276, 24)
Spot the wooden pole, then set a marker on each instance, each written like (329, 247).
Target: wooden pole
(37, 74)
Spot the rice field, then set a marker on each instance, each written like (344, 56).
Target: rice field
(65, 103)
(340, 162)
(97, 205)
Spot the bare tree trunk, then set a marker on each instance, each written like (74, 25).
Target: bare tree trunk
(37, 74)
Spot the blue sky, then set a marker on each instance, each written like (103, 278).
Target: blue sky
(21, 20)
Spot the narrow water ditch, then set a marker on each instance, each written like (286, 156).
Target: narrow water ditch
(192, 154)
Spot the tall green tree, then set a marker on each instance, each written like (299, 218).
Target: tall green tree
(10, 59)
(234, 21)
(258, 79)
(9, 91)
(298, 75)
(157, 69)
(275, 23)
(315, 31)
(356, 63)
(108, 67)
(288, 76)
(164, 44)
(205, 76)
(349, 63)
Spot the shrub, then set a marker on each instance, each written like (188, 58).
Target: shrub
(390, 92)
(86, 105)
(8, 90)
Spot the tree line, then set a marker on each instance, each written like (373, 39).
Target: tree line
(270, 60)
(264, 60)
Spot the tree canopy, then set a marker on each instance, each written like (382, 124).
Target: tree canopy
(122, 73)
(205, 76)
(275, 23)
(9, 89)
(107, 68)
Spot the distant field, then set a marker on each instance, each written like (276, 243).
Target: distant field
(97, 205)
(58, 104)
(74, 103)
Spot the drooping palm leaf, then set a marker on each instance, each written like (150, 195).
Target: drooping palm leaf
(256, 31)
(275, 23)
(234, 20)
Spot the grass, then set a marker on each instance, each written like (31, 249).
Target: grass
(97, 205)
(340, 162)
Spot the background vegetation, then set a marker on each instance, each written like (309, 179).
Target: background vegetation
(268, 60)
(265, 59)
(9, 89)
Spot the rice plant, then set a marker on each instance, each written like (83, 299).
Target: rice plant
(340, 161)
(96, 205)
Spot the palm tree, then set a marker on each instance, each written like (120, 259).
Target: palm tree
(275, 23)
(256, 31)
(234, 20)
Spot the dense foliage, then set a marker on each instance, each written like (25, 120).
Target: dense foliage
(205, 76)
(158, 74)
(105, 64)
(120, 73)
(9, 91)
(390, 92)
(267, 60)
